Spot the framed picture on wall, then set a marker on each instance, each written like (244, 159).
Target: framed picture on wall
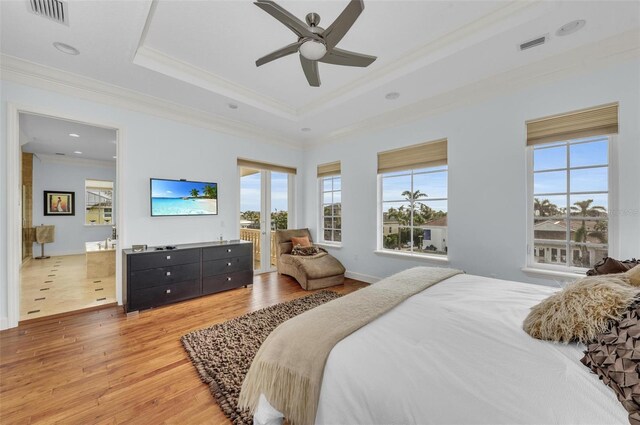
(59, 203)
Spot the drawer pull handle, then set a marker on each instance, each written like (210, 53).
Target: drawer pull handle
(168, 291)
(228, 264)
(229, 250)
(168, 273)
(228, 279)
(168, 257)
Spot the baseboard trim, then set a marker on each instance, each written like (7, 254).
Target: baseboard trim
(4, 323)
(362, 277)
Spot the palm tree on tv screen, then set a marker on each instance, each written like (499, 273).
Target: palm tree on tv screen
(195, 193)
(210, 192)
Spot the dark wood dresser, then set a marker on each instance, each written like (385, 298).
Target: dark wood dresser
(158, 276)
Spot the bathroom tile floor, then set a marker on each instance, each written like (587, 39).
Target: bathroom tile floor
(59, 285)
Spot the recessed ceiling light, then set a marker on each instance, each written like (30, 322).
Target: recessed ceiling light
(74, 135)
(232, 105)
(77, 152)
(392, 95)
(305, 129)
(65, 48)
(571, 27)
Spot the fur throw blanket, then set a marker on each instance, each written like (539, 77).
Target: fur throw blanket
(307, 251)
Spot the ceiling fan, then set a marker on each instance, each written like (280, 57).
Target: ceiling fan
(315, 43)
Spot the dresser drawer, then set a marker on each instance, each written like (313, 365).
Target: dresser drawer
(223, 282)
(164, 275)
(229, 265)
(158, 295)
(226, 251)
(150, 260)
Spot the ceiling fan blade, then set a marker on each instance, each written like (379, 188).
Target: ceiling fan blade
(341, 25)
(285, 51)
(347, 58)
(310, 69)
(290, 21)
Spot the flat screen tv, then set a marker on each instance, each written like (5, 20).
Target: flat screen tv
(182, 197)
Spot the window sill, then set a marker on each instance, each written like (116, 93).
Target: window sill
(552, 273)
(408, 256)
(329, 245)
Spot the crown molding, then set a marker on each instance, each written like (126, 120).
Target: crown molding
(47, 78)
(608, 52)
(67, 160)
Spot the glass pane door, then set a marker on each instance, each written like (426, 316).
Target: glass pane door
(250, 211)
(279, 209)
(264, 208)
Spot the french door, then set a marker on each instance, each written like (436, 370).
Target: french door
(266, 205)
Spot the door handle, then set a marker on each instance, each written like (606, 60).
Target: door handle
(168, 291)
(168, 273)
(228, 264)
(168, 257)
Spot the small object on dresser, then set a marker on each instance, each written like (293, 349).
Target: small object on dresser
(138, 248)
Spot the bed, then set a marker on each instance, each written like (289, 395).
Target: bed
(456, 353)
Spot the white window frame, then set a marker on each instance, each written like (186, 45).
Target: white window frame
(613, 233)
(113, 197)
(380, 217)
(321, 227)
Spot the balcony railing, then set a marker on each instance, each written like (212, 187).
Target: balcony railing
(253, 235)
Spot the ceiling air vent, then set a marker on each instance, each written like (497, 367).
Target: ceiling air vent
(538, 41)
(55, 10)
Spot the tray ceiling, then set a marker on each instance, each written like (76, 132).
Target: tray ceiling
(201, 54)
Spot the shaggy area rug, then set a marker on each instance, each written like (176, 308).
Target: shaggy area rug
(223, 353)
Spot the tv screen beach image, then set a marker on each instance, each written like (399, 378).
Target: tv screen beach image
(172, 197)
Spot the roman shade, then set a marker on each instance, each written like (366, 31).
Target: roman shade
(596, 121)
(248, 163)
(430, 154)
(329, 169)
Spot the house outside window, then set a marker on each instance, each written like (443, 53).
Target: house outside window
(99, 202)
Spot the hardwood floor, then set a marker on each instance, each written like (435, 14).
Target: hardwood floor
(60, 285)
(104, 367)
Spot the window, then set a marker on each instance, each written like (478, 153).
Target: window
(570, 202)
(331, 214)
(414, 210)
(98, 202)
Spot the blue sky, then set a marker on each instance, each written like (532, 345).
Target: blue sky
(175, 189)
(250, 192)
(581, 180)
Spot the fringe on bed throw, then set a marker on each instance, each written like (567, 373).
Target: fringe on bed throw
(289, 366)
(286, 389)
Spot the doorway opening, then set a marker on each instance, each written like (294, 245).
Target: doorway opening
(68, 212)
(266, 205)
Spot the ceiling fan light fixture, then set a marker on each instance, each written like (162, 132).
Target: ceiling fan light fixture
(313, 50)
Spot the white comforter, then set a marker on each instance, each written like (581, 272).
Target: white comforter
(456, 354)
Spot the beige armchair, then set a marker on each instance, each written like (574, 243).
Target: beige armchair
(314, 272)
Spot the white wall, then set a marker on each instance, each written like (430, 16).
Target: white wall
(150, 147)
(487, 175)
(66, 175)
